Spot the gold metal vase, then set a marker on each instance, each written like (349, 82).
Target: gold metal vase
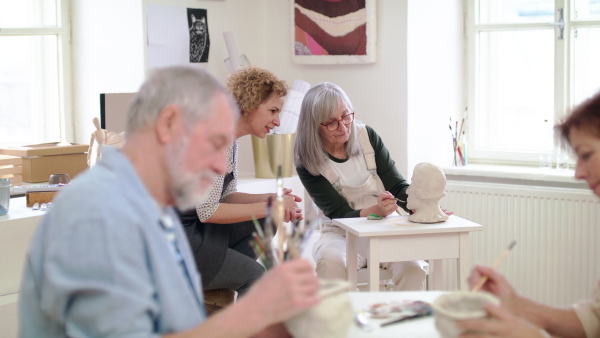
(272, 151)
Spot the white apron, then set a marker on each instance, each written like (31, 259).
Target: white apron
(358, 197)
(329, 251)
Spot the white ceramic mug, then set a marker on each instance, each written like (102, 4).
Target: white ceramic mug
(452, 307)
(331, 318)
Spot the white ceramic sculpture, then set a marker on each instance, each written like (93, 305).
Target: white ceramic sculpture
(452, 307)
(331, 318)
(428, 186)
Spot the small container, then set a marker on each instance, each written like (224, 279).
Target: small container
(331, 318)
(453, 307)
(463, 147)
(59, 179)
(562, 156)
(546, 160)
(4, 195)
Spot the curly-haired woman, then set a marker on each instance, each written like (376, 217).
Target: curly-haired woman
(220, 229)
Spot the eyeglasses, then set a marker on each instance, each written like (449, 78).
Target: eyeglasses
(335, 124)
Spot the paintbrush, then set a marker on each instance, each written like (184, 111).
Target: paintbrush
(258, 241)
(398, 210)
(454, 141)
(259, 231)
(395, 198)
(483, 279)
(268, 225)
(462, 123)
(456, 129)
(281, 230)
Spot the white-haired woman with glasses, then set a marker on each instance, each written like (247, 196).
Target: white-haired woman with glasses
(348, 172)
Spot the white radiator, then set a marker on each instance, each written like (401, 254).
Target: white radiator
(557, 257)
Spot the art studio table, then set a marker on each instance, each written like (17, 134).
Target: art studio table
(395, 238)
(414, 328)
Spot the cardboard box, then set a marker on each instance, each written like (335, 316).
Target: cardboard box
(6, 160)
(40, 197)
(45, 150)
(38, 169)
(42, 160)
(10, 167)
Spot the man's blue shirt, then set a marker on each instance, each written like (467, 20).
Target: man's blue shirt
(100, 265)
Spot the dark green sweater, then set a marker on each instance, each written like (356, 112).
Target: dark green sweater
(333, 204)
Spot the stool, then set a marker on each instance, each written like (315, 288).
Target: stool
(385, 279)
(217, 299)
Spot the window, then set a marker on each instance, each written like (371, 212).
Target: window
(34, 63)
(529, 62)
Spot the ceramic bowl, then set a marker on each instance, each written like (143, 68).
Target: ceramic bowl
(59, 179)
(452, 307)
(331, 318)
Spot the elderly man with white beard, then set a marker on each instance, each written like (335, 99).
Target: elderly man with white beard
(111, 259)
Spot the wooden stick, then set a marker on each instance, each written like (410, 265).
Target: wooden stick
(282, 238)
(484, 279)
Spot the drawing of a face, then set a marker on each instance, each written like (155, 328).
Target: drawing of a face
(199, 26)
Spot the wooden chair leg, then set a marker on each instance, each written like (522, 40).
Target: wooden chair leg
(217, 299)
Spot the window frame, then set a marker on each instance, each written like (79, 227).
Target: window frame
(62, 31)
(562, 77)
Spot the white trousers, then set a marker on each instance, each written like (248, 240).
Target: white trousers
(329, 253)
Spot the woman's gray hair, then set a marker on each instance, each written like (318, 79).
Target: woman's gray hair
(318, 106)
(192, 90)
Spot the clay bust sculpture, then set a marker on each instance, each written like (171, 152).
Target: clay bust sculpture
(103, 137)
(428, 186)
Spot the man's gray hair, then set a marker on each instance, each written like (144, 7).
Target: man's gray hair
(318, 106)
(192, 90)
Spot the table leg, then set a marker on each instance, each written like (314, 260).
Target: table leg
(373, 264)
(464, 261)
(436, 275)
(351, 260)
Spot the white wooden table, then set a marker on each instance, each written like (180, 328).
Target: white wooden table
(16, 229)
(395, 238)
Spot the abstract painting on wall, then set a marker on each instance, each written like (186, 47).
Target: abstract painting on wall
(334, 32)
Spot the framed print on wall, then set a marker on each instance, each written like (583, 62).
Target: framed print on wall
(334, 32)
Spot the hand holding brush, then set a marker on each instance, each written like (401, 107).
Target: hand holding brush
(483, 279)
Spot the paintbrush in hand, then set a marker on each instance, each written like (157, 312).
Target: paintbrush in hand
(483, 279)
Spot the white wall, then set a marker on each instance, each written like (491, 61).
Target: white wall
(406, 96)
(109, 46)
(243, 18)
(435, 79)
(108, 56)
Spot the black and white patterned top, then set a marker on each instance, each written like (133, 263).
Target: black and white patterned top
(214, 196)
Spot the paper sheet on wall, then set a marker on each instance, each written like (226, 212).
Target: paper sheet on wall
(177, 35)
(291, 109)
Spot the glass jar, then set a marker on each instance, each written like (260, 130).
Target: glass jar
(4, 195)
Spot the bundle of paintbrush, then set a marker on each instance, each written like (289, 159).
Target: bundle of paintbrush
(262, 239)
(458, 141)
(291, 242)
